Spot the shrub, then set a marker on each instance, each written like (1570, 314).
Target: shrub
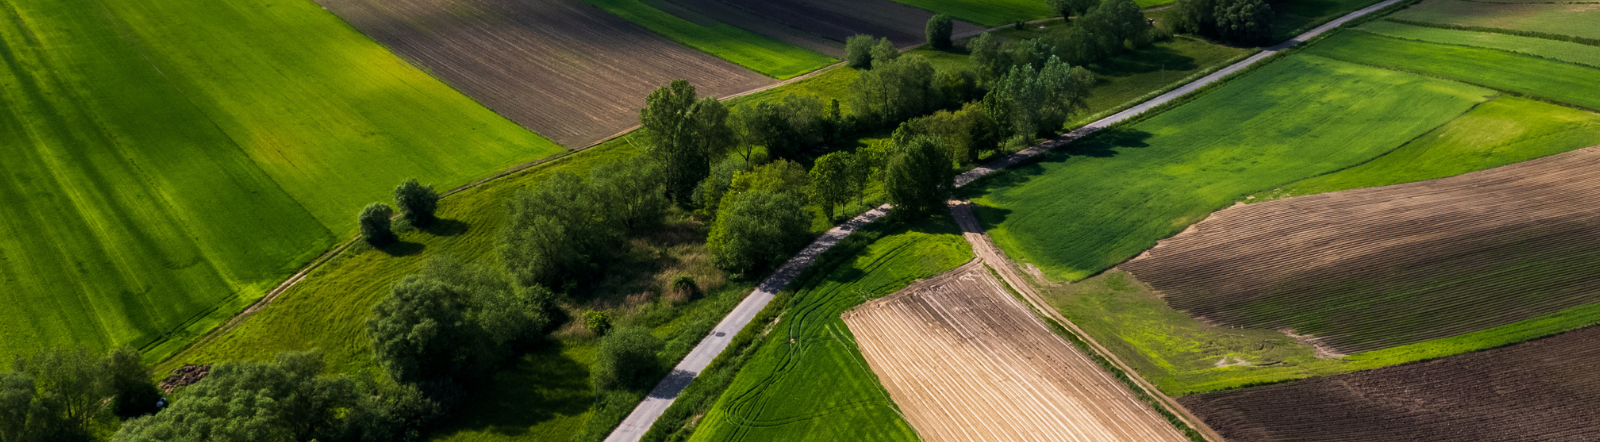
(858, 51)
(883, 52)
(285, 400)
(756, 228)
(374, 221)
(685, 284)
(625, 358)
(597, 322)
(127, 380)
(938, 31)
(894, 91)
(920, 178)
(416, 202)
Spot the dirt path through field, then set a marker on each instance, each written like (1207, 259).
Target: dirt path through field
(965, 360)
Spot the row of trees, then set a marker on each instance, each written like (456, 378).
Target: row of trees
(562, 232)
(1237, 21)
(417, 205)
(69, 394)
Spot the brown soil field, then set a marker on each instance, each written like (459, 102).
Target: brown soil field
(834, 20)
(567, 70)
(964, 360)
(1373, 268)
(1543, 390)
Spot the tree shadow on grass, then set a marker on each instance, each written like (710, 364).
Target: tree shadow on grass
(543, 385)
(446, 227)
(1151, 59)
(1104, 144)
(401, 248)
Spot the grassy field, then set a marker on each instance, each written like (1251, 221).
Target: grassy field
(988, 13)
(170, 161)
(1078, 211)
(1122, 79)
(761, 54)
(1575, 19)
(807, 380)
(1294, 18)
(1551, 49)
(1522, 74)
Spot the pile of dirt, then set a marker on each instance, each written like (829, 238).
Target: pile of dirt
(184, 376)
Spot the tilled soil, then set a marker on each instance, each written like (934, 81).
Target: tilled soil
(1544, 390)
(1374, 268)
(834, 20)
(964, 360)
(565, 69)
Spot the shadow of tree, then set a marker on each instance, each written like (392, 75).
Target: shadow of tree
(402, 248)
(447, 227)
(543, 385)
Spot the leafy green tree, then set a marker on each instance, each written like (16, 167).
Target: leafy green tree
(830, 181)
(17, 406)
(956, 86)
(625, 357)
(757, 228)
(597, 321)
(374, 221)
(765, 124)
(70, 388)
(630, 193)
(781, 176)
(285, 400)
(558, 234)
(965, 132)
(1062, 8)
(1244, 21)
(1030, 102)
(417, 202)
(709, 195)
(1195, 16)
(127, 379)
(684, 133)
(894, 90)
(387, 412)
(991, 55)
(919, 178)
(883, 52)
(858, 51)
(938, 31)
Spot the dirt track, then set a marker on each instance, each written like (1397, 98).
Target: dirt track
(965, 360)
(1373, 268)
(563, 68)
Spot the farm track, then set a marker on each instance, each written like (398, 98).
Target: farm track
(645, 415)
(1374, 268)
(1541, 390)
(565, 69)
(965, 360)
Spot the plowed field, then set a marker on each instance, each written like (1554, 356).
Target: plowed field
(835, 20)
(1374, 268)
(965, 361)
(565, 69)
(1543, 390)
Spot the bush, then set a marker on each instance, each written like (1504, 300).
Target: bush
(1237, 21)
(1028, 102)
(965, 132)
(756, 228)
(920, 178)
(374, 221)
(883, 52)
(597, 322)
(625, 358)
(685, 284)
(938, 31)
(127, 380)
(416, 202)
(894, 91)
(285, 400)
(858, 51)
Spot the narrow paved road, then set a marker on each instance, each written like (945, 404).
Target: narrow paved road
(645, 415)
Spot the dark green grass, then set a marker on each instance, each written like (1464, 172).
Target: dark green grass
(808, 380)
(1521, 74)
(1576, 19)
(1296, 17)
(1552, 49)
(761, 54)
(1079, 211)
(169, 161)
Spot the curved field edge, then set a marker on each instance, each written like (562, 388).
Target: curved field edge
(759, 53)
(771, 388)
(174, 159)
(1539, 47)
(1083, 209)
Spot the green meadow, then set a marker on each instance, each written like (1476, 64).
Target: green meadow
(1083, 209)
(773, 58)
(1521, 74)
(1552, 49)
(807, 379)
(171, 161)
(1575, 18)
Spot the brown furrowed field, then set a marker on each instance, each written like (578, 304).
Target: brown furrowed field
(565, 69)
(1373, 268)
(834, 20)
(1543, 390)
(964, 360)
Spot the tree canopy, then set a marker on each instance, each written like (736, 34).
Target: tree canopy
(416, 202)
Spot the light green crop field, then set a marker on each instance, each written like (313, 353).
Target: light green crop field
(774, 58)
(1296, 17)
(1575, 19)
(1552, 49)
(989, 13)
(808, 380)
(1081, 210)
(169, 161)
(1533, 76)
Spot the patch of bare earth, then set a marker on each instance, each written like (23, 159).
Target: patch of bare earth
(1543, 390)
(567, 70)
(964, 360)
(1373, 268)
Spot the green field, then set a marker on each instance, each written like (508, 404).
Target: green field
(1552, 49)
(1575, 19)
(1134, 76)
(170, 161)
(774, 58)
(1081, 210)
(1296, 17)
(1521, 74)
(988, 13)
(808, 380)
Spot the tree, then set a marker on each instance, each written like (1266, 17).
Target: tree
(684, 133)
(965, 132)
(1195, 16)
(1244, 21)
(1030, 102)
(374, 221)
(416, 202)
(387, 412)
(858, 51)
(1062, 8)
(894, 90)
(624, 357)
(423, 331)
(629, 193)
(919, 178)
(757, 228)
(781, 176)
(709, 195)
(285, 400)
(69, 386)
(991, 55)
(558, 234)
(883, 52)
(830, 181)
(938, 31)
(17, 406)
(127, 379)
